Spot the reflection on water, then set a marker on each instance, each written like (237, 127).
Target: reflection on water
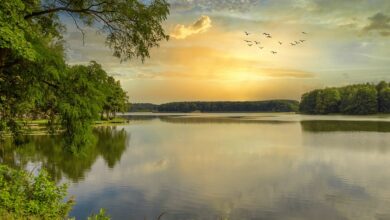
(332, 126)
(48, 152)
(238, 167)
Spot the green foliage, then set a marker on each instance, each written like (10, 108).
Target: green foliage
(327, 101)
(100, 216)
(364, 101)
(81, 103)
(384, 100)
(256, 106)
(142, 107)
(131, 27)
(14, 31)
(116, 98)
(24, 196)
(383, 89)
(361, 99)
(309, 102)
(35, 81)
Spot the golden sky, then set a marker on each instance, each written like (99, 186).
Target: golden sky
(206, 58)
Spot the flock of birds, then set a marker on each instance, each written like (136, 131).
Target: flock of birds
(251, 43)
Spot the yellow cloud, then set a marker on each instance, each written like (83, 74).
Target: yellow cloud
(210, 74)
(200, 26)
(206, 63)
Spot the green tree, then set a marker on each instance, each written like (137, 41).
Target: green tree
(14, 33)
(34, 78)
(381, 85)
(116, 98)
(357, 99)
(327, 101)
(131, 27)
(384, 100)
(309, 102)
(82, 101)
(361, 100)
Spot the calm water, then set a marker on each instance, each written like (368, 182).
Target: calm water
(225, 166)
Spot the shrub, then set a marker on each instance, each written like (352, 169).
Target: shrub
(25, 196)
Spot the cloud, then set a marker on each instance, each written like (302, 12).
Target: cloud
(206, 63)
(379, 22)
(287, 73)
(200, 26)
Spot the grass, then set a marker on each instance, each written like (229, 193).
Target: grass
(114, 121)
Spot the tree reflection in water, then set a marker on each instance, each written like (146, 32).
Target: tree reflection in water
(49, 153)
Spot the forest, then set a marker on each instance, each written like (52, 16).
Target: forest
(248, 106)
(142, 107)
(218, 106)
(358, 99)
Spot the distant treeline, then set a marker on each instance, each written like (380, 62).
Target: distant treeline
(360, 99)
(142, 107)
(246, 106)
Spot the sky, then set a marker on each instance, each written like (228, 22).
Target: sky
(207, 59)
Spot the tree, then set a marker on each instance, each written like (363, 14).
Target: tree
(131, 27)
(308, 102)
(327, 101)
(34, 77)
(245, 106)
(116, 98)
(384, 100)
(357, 99)
(381, 85)
(360, 100)
(14, 33)
(82, 99)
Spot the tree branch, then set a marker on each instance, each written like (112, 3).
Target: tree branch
(54, 10)
(78, 27)
(50, 84)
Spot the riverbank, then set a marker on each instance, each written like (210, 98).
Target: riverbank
(39, 126)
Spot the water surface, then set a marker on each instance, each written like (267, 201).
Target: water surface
(225, 166)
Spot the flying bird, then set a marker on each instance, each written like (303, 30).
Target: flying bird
(266, 34)
(302, 41)
(248, 41)
(280, 43)
(257, 42)
(273, 52)
(247, 33)
(304, 32)
(269, 36)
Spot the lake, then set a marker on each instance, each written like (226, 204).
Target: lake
(225, 166)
